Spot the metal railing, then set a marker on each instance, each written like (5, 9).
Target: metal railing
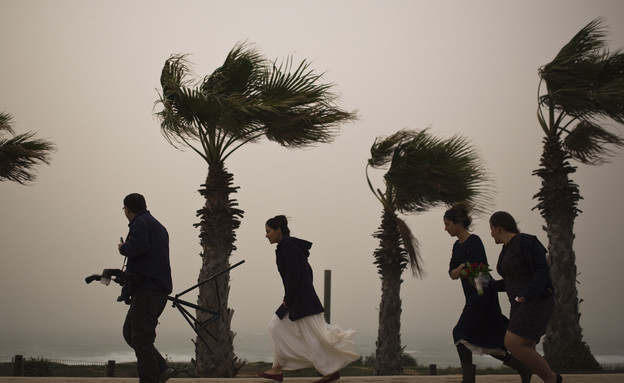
(20, 363)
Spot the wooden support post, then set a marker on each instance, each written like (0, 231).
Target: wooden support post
(327, 296)
(433, 369)
(18, 365)
(110, 369)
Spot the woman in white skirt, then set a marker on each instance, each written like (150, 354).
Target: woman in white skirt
(300, 337)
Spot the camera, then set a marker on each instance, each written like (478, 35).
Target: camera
(128, 281)
(105, 278)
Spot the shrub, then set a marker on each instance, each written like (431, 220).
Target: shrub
(38, 367)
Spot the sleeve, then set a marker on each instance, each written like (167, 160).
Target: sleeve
(454, 262)
(535, 254)
(292, 259)
(137, 242)
(498, 285)
(476, 251)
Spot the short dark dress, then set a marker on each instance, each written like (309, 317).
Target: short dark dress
(525, 271)
(481, 322)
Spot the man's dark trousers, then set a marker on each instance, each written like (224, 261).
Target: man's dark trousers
(139, 331)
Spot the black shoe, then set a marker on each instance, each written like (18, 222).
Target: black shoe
(523, 370)
(332, 378)
(276, 377)
(559, 378)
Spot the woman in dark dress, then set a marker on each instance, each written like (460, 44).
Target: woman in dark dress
(525, 271)
(299, 334)
(481, 327)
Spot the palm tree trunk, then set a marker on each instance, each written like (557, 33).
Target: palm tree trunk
(564, 348)
(219, 220)
(390, 262)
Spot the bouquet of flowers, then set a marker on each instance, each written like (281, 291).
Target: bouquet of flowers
(478, 274)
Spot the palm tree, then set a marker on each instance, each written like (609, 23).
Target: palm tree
(241, 102)
(20, 154)
(584, 90)
(423, 172)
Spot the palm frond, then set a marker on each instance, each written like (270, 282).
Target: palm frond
(241, 72)
(585, 80)
(588, 143)
(425, 171)
(430, 171)
(383, 149)
(586, 47)
(182, 105)
(236, 86)
(6, 123)
(412, 247)
(20, 155)
(295, 86)
(245, 99)
(296, 108)
(608, 97)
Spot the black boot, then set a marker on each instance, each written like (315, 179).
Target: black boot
(523, 370)
(513, 363)
(468, 373)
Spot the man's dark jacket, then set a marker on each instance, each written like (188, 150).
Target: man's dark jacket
(147, 249)
(292, 263)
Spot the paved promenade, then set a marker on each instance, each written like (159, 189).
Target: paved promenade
(585, 378)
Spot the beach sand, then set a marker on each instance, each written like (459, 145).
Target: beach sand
(581, 378)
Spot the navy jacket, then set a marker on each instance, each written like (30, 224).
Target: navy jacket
(147, 249)
(535, 266)
(291, 256)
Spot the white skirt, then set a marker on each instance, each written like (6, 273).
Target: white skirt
(311, 342)
(480, 350)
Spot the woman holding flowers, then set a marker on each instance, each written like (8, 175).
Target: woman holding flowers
(526, 278)
(481, 327)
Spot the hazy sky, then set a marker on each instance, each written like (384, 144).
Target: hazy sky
(85, 75)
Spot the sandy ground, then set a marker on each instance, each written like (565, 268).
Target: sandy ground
(585, 378)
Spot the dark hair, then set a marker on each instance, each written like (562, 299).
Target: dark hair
(279, 222)
(504, 220)
(459, 213)
(135, 202)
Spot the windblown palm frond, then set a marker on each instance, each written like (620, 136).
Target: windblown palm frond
(5, 123)
(425, 171)
(383, 149)
(212, 112)
(245, 99)
(297, 109)
(236, 87)
(581, 52)
(184, 108)
(587, 143)
(412, 247)
(585, 80)
(19, 155)
(242, 73)
(430, 171)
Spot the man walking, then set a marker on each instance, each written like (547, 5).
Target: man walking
(147, 250)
